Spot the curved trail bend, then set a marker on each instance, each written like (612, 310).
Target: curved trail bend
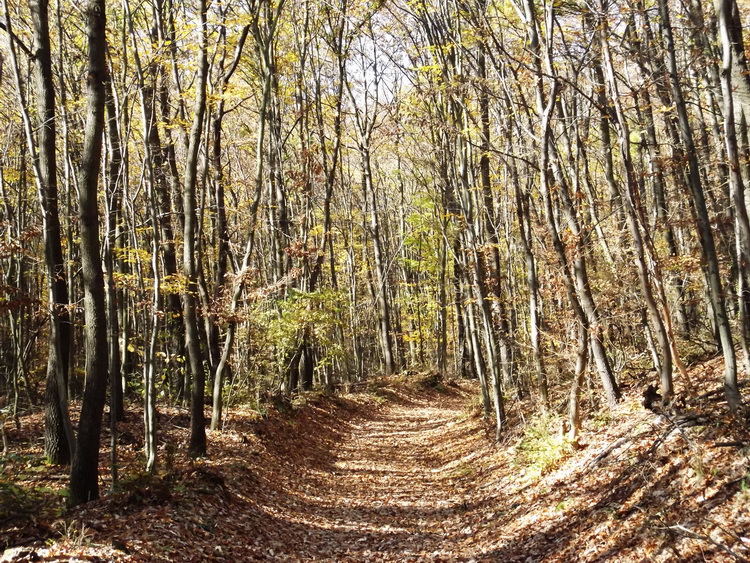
(403, 473)
(394, 487)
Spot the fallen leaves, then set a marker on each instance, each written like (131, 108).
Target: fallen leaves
(412, 478)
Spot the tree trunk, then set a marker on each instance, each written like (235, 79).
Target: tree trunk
(59, 440)
(535, 313)
(156, 190)
(84, 476)
(113, 204)
(737, 188)
(58, 432)
(381, 288)
(703, 222)
(576, 279)
(222, 235)
(197, 446)
(574, 404)
(632, 213)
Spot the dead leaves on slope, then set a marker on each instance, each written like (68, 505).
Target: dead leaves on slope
(405, 473)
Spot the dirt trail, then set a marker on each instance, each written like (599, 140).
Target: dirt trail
(393, 490)
(402, 473)
(392, 482)
(380, 476)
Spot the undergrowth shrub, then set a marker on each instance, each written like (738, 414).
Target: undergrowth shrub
(543, 447)
(19, 503)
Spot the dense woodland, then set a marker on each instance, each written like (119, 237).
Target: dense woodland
(210, 202)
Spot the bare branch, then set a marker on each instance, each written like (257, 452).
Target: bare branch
(17, 41)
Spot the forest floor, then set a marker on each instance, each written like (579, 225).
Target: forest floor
(403, 471)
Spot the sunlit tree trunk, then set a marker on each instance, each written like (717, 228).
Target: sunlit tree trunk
(737, 189)
(222, 233)
(167, 185)
(197, 446)
(632, 207)
(703, 222)
(366, 117)
(574, 400)
(264, 54)
(112, 220)
(575, 272)
(59, 439)
(523, 211)
(153, 177)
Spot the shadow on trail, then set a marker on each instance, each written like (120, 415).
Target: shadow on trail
(375, 485)
(398, 482)
(568, 538)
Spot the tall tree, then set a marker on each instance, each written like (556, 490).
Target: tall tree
(633, 212)
(84, 475)
(58, 430)
(705, 232)
(197, 446)
(737, 189)
(58, 435)
(367, 107)
(575, 270)
(263, 40)
(222, 232)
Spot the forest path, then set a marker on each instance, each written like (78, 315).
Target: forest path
(394, 488)
(406, 472)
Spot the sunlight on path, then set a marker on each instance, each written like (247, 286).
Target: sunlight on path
(392, 491)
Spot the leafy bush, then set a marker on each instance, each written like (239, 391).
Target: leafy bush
(319, 315)
(28, 504)
(542, 447)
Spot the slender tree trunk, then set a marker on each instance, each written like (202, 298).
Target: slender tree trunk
(166, 180)
(58, 432)
(222, 235)
(737, 188)
(442, 341)
(197, 446)
(381, 288)
(574, 405)
(535, 312)
(632, 206)
(114, 204)
(59, 439)
(84, 476)
(239, 281)
(605, 116)
(574, 270)
(154, 180)
(703, 222)
(495, 281)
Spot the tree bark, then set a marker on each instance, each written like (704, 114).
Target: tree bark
(84, 476)
(632, 207)
(262, 44)
(58, 432)
(737, 189)
(575, 272)
(703, 222)
(197, 446)
(114, 205)
(59, 439)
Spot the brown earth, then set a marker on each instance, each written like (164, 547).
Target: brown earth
(407, 472)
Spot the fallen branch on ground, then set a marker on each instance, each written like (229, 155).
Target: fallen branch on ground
(736, 444)
(608, 450)
(686, 532)
(678, 423)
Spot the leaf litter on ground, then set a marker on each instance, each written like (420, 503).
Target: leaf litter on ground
(402, 472)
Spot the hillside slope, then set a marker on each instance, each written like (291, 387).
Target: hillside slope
(408, 473)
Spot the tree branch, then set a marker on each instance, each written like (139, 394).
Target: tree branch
(17, 41)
